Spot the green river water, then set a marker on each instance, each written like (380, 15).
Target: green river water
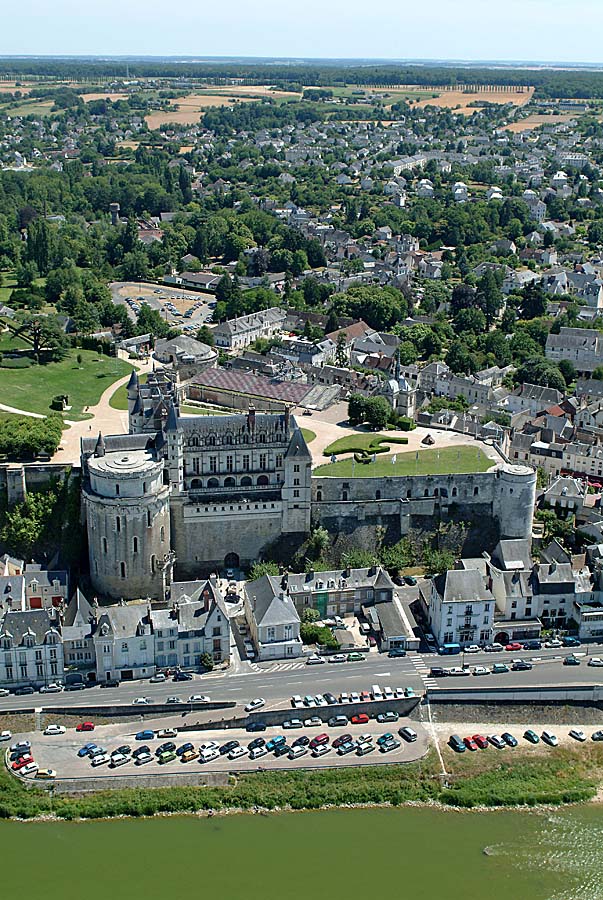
(423, 854)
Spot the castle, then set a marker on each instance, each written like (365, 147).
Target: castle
(202, 492)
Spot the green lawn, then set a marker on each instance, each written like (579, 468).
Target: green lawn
(8, 283)
(449, 461)
(32, 389)
(308, 435)
(357, 443)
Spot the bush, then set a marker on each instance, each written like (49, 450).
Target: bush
(318, 634)
(23, 437)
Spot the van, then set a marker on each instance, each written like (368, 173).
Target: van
(549, 738)
(456, 743)
(449, 649)
(377, 692)
(408, 734)
(365, 628)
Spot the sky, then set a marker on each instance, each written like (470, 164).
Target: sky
(516, 30)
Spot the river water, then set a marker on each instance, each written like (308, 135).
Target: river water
(424, 854)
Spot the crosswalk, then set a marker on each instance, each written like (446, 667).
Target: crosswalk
(285, 667)
(423, 671)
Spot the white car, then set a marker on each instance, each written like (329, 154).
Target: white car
(298, 751)
(388, 693)
(30, 769)
(118, 759)
(5, 735)
(313, 722)
(320, 700)
(354, 697)
(364, 739)
(167, 732)
(55, 729)
(315, 660)
(472, 648)
(209, 745)
(142, 759)
(457, 671)
(257, 752)
(337, 658)
(209, 755)
(52, 688)
(199, 698)
(577, 735)
(4, 692)
(101, 760)
(140, 701)
(321, 750)
(255, 704)
(293, 723)
(344, 698)
(237, 753)
(173, 700)
(297, 702)
(595, 661)
(158, 678)
(481, 670)
(555, 642)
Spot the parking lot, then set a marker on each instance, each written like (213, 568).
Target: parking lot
(60, 752)
(188, 310)
(467, 730)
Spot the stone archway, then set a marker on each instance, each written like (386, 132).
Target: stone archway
(502, 638)
(232, 561)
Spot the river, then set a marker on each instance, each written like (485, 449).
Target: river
(422, 854)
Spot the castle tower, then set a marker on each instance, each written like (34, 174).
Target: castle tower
(128, 519)
(175, 450)
(133, 392)
(514, 498)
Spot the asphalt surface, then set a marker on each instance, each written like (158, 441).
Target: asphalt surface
(278, 681)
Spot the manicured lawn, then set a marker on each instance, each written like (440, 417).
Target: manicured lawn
(186, 410)
(8, 283)
(308, 435)
(356, 443)
(450, 460)
(33, 389)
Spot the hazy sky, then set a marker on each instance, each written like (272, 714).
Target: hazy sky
(545, 30)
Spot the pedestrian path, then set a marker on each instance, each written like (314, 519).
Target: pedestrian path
(286, 667)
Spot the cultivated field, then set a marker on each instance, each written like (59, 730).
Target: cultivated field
(87, 98)
(452, 99)
(191, 107)
(537, 119)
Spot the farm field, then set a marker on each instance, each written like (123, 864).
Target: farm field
(451, 99)
(87, 98)
(31, 108)
(447, 461)
(33, 389)
(191, 107)
(536, 119)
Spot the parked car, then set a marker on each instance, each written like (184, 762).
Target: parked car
(166, 757)
(5, 735)
(182, 676)
(257, 752)
(296, 752)
(513, 645)
(389, 746)
(354, 697)
(184, 748)
(481, 670)
(85, 750)
(410, 580)
(52, 688)
(470, 744)
(29, 769)
(472, 648)
(46, 774)
(458, 671)
(396, 652)
(499, 668)
(481, 741)
(22, 746)
(571, 641)
(409, 734)
(142, 759)
(521, 665)
(437, 672)
(55, 729)
(255, 726)
(531, 736)
(301, 741)
(355, 657)
(494, 647)
(338, 721)
(549, 738)
(167, 733)
(293, 723)
(157, 678)
(532, 645)
(318, 740)
(282, 750)
(595, 661)
(167, 747)
(140, 751)
(342, 739)
(344, 697)
(509, 739)
(206, 756)
(359, 719)
(571, 660)
(20, 763)
(101, 759)
(85, 726)
(257, 742)
(553, 643)
(319, 700)
(384, 738)
(140, 701)
(110, 683)
(597, 736)
(275, 742)
(297, 702)
(199, 698)
(313, 722)
(330, 698)
(237, 752)
(388, 716)
(320, 749)
(24, 689)
(173, 700)
(337, 658)
(123, 750)
(146, 735)
(309, 700)
(118, 759)
(497, 741)
(577, 735)
(257, 703)
(315, 660)
(346, 748)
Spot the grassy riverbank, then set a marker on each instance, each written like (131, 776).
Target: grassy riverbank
(567, 777)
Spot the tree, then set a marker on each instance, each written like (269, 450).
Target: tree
(45, 335)
(340, 350)
(259, 569)
(356, 409)
(318, 542)
(598, 373)
(206, 336)
(149, 321)
(207, 662)
(460, 360)
(310, 615)
(533, 302)
(541, 371)
(377, 412)
(568, 370)
(26, 274)
(470, 320)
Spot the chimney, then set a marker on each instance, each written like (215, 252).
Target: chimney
(287, 417)
(251, 418)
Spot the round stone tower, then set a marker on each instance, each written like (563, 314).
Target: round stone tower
(514, 500)
(128, 519)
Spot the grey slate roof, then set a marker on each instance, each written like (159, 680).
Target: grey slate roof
(35, 621)
(268, 606)
(461, 586)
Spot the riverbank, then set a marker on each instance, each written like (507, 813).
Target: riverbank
(482, 780)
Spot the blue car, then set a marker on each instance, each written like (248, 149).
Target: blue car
(85, 750)
(256, 726)
(274, 743)
(147, 735)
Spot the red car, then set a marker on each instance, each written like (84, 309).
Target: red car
(359, 719)
(481, 741)
(85, 726)
(22, 761)
(514, 645)
(318, 740)
(469, 743)
(342, 739)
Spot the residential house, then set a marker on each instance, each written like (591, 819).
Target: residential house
(273, 621)
(31, 648)
(460, 608)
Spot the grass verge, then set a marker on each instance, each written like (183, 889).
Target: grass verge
(363, 443)
(308, 435)
(564, 778)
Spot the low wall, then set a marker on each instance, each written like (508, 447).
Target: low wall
(131, 780)
(588, 694)
(130, 709)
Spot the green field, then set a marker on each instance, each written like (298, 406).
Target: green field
(33, 389)
(308, 435)
(358, 443)
(449, 461)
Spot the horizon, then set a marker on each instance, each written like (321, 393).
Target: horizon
(323, 31)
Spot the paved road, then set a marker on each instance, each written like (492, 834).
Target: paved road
(280, 680)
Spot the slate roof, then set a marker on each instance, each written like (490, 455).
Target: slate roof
(268, 606)
(461, 586)
(35, 621)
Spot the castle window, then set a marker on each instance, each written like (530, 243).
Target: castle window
(319, 495)
(262, 439)
(408, 494)
(213, 464)
(377, 495)
(117, 490)
(118, 524)
(104, 545)
(262, 480)
(135, 545)
(475, 491)
(344, 495)
(426, 492)
(149, 520)
(228, 439)
(153, 563)
(296, 468)
(144, 487)
(162, 534)
(262, 460)
(213, 483)
(246, 462)
(296, 493)
(211, 441)
(229, 464)
(245, 481)
(229, 482)
(122, 569)
(454, 492)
